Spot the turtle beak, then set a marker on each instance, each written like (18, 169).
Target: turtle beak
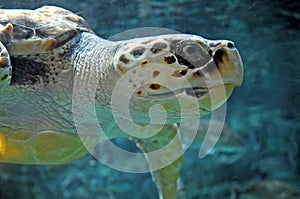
(227, 58)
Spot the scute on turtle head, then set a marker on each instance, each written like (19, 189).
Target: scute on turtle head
(40, 30)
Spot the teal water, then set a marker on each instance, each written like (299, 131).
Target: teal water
(262, 138)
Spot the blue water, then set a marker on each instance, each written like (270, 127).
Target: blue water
(263, 115)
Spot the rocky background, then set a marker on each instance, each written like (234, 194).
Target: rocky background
(259, 154)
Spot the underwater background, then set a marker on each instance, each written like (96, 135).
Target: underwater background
(258, 155)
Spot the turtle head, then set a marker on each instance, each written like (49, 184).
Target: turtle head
(166, 69)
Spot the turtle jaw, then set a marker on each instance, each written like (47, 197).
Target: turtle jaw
(180, 105)
(208, 98)
(212, 98)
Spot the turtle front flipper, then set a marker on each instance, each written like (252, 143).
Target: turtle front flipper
(5, 66)
(164, 154)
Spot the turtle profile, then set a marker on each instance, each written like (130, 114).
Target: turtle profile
(43, 51)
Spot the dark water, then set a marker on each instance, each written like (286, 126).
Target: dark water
(263, 118)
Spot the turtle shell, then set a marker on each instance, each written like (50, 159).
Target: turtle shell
(40, 30)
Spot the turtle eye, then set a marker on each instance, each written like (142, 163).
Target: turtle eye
(192, 52)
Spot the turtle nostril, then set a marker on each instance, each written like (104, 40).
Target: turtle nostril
(230, 44)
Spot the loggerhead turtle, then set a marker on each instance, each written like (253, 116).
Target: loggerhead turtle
(42, 51)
